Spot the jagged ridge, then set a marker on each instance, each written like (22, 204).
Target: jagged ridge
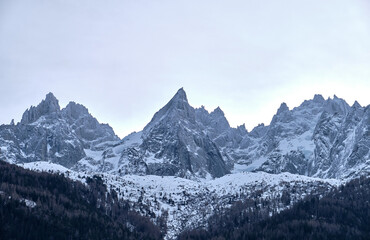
(323, 138)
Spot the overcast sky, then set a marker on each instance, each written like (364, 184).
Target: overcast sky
(124, 60)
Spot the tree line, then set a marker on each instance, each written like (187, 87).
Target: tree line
(343, 213)
(65, 209)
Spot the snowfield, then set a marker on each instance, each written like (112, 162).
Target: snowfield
(187, 204)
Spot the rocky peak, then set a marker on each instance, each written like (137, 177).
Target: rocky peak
(241, 129)
(180, 96)
(318, 98)
(355, 113)
(202, 111)
(86, 127)
(179, 101)
(175, 142)
(75, 110)
(283, 108)
(337, 106)
(218, 112)
(202, 116)
(356, 105)
(48, 106)
(177, 109)
(282, 115)
(218, 121)
(258, 131)
(317, 102)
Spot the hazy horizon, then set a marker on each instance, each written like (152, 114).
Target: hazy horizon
(124, 60)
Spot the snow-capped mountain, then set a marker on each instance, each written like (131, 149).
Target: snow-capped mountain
(171, 144)
(202, 164)
(327, 139)
(321, 138)
(48, 133)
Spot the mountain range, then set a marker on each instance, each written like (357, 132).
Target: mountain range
(189, 166)
(320, 138)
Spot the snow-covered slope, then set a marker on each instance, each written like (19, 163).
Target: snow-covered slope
(186, 204)
(171, 144)
(177, 169)
(47, 133)
(321, 138)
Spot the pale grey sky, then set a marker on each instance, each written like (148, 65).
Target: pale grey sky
(125, 59)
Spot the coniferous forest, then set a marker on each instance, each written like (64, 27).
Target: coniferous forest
(37, 205)
(342, 214)
(49, 206)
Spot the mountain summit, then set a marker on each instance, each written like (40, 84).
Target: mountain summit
(47, 133)
(309, 149)
(174, 144)
(177, 109)
(47, 107)
(321, 138)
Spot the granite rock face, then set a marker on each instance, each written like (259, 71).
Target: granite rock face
(171, 144)
(321, 138)
(48, 107)
(174, 136)
(47, 133)
(86, 127)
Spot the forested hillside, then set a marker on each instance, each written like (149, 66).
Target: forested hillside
(342, 214)
(49, 206)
